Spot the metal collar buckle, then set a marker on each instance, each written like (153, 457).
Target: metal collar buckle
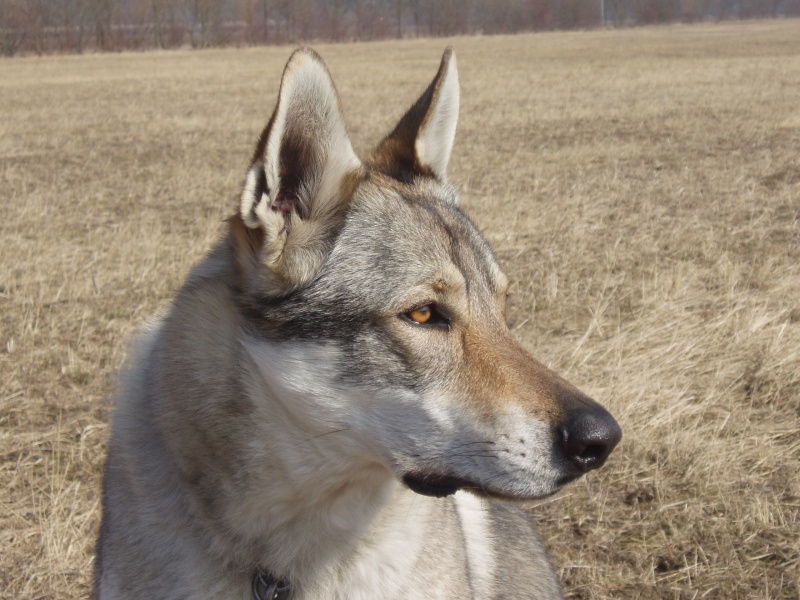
(266, 587)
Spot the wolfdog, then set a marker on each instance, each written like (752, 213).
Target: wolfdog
(333, 407)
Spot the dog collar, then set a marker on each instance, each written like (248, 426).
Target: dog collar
(267, 587)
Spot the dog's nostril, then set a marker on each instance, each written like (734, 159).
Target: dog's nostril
(593, 452)
(589, 437)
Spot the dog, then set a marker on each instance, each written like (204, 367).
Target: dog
(334, 407)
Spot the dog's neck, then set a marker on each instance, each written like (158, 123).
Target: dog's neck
(316, 506)
(325, 527)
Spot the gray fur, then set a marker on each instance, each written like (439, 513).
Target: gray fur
(271, 419)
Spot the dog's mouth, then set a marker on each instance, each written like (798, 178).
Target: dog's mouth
(439, 486)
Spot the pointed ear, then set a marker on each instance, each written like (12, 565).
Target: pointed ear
(421, 143)
(297, 188)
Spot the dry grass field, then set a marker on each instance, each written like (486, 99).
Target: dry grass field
(641, 187)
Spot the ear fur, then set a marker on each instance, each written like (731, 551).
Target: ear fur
(421, 143)
(298, 182)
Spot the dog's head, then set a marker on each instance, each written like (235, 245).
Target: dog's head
(374, 305)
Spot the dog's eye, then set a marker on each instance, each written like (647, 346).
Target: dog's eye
(421, 315)
(427, 314)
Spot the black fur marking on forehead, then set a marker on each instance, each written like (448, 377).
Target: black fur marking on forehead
(373, 355)
(298, 317)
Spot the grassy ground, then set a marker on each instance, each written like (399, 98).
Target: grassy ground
(642, 189)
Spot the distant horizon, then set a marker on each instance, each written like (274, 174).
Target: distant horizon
(78, 26)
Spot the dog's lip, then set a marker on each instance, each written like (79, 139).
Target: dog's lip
(439, 486)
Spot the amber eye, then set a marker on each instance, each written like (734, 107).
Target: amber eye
(428, 315)
(421, 315)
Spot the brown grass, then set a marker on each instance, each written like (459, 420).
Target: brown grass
(641, 187)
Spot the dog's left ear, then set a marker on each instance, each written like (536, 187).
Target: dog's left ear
(421, 143)
(297, 188)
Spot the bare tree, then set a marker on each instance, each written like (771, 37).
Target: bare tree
(398, 14)
(158, 13)
(69, 25)
(13, 31)
(102, 16)
(206, 21)
(656, 11)
(248, 10)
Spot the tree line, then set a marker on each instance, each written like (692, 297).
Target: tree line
(44, 26)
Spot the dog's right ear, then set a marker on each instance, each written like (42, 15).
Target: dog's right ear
(302, 174)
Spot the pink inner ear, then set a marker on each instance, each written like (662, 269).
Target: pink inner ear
(284, 205)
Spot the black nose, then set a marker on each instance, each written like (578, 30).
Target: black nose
(588, 438)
